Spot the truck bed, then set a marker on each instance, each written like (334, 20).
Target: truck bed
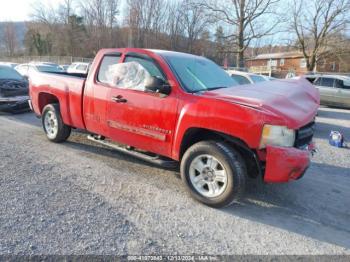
(66, 87)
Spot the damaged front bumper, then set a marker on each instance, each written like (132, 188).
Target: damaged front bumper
(286, 163)
(14, 104)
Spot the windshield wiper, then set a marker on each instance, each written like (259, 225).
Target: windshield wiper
(208, 89)
(215, 88)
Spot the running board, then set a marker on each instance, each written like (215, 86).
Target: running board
(157, 160)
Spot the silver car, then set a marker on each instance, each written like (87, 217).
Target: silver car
(334, 90)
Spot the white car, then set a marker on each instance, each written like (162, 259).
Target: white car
(244, 78)
(78, 68)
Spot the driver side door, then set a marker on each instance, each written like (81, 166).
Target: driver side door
(142, 119)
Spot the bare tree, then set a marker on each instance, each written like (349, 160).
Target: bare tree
(247, 19)
(100, 20)
(316, 24)
(44, 14)
(82, 27)
(9, 38)
(195, 22)
(175, 25)
(146, 18)
(66, 11)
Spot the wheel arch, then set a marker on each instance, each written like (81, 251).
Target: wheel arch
(195, 135)
(44, 99)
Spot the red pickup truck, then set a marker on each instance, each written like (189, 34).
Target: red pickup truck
(168, 107)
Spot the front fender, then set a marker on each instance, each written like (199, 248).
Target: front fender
(238, 121)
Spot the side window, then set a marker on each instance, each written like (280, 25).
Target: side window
(339, 83)
(311, 80)
(148, 64)
(317, 82)
(282, 62)
(107, 62)
(343, 84)
(346, 85)
(240, 79)
(328, 82)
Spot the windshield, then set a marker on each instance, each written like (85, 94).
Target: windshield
(198, 73)
(257, 79)
(9, 73)
(53, 69)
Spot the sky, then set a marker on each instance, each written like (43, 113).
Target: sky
(20, 10)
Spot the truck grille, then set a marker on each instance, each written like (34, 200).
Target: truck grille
(304, 135)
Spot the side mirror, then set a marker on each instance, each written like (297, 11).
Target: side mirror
(158, 85)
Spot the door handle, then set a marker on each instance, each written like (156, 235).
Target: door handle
(119, 99)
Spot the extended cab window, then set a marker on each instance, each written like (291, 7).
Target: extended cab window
(107, 62)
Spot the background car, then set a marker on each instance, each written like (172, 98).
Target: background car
(78, 68)
(27, 69)
(13, 91)
(13, 65)
(244, 78)
(334, 90)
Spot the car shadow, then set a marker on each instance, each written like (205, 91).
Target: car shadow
(309, 207)
(94, 148)
(313, 206)
(27, 118)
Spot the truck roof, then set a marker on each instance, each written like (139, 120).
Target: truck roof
(155, 51)
(172, 53)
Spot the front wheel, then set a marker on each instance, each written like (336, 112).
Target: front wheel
(214, 173)
(56, 131)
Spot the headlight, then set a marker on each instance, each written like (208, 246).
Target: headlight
(277, 136)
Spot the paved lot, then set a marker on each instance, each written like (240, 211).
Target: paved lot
(79, 198)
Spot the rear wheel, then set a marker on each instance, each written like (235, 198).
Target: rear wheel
(56, 131)
(214, 173)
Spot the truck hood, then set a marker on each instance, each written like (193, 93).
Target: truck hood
(296, 101)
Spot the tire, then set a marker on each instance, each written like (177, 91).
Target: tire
(202, 170)
(56, 131)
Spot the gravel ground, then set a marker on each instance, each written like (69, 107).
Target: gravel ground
(80, 198)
